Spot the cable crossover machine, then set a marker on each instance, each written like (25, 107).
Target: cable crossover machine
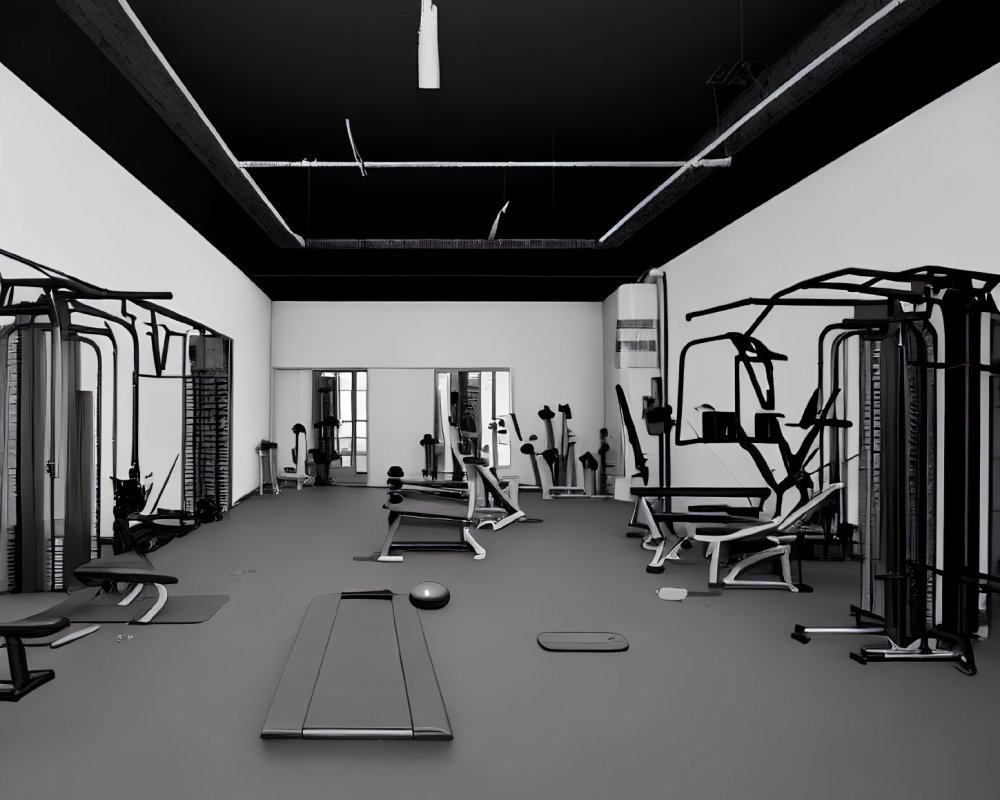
(920, 337)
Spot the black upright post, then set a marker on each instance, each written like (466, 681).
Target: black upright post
(31, 425)
(962, 434)
(892, 476)
(994, 428)
(79, 472)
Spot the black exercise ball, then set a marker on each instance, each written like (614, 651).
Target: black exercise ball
(430, 594)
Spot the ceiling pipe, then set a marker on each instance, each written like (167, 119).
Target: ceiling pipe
(704, 162)
(784, 87)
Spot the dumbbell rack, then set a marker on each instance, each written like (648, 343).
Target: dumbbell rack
(207, 414)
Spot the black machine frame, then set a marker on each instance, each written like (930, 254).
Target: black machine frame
(930, 611)
(60, 311)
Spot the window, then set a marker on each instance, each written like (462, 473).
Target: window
(343, 394)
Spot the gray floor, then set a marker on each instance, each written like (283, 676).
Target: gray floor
(712, 700)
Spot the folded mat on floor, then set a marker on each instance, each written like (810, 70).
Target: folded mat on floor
(85, 605)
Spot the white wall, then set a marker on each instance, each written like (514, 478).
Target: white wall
(400, 412)
(554, 352)
(66, 204)
(292, 400)
(636, 382)
(923, 192)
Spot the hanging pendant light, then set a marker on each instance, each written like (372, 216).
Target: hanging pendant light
(428, 63)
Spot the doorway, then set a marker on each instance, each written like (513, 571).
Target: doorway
(341, 414)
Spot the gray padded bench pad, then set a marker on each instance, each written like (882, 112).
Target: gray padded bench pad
(35, 626)
(430, 508)
(705, 516)
(359, 669)
(125, 568)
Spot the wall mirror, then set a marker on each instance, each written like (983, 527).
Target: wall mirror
(474, 400)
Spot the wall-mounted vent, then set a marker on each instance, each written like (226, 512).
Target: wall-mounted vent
(635, 343)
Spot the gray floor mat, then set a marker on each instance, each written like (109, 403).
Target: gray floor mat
(179, 610)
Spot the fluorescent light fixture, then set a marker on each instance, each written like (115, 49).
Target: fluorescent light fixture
(496, 222)
(358, 160)
(428, 63)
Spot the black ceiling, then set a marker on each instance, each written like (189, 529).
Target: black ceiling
(555, 80)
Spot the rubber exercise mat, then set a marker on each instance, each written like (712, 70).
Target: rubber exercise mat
(186, 609)
(359, 668)
(582, 641)
(179, 610)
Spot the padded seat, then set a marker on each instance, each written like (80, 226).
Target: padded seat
(22, 680)
(656, 542)
(34, 626)
(433, 509)
(735, 511)
(777, 534)
(298, 478)
(429, 509)
(131, 568)
(145, 533)
(96, 572)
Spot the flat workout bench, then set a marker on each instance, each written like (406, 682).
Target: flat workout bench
(131, 568)
(359, 669)
(22, 680)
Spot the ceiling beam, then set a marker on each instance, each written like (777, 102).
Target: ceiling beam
(451, 244)
(854, 29)
(120, 35)
(115, 29)
(706, 162)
